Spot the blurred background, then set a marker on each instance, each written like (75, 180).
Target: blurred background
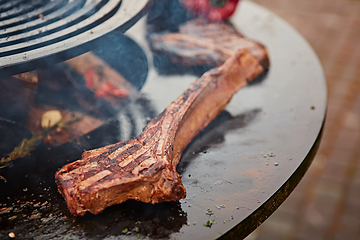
(326, 203)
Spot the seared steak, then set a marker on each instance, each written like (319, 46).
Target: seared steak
(144, 168)
(201, 43)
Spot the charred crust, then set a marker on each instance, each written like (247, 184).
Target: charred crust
(129, 151)
(137, 161)
(116, 146)
(186, 95)
(137, 146)
(158, 118)
(156, 146)
(196, 86)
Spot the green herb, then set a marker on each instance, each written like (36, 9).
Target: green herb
(209, 212)
(208, 224)
(225, 220)
(25, 147)
(125, 230)
(28, 145)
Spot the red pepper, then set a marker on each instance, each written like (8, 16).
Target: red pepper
(89, 77)
(105, 88)
(213, 10)
(109, 89)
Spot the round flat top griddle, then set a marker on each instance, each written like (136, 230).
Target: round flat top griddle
(262, 146)
(236, 172)
(39, 33)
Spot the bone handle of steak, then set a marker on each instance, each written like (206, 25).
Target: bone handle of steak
(205, 99)
(144, 168)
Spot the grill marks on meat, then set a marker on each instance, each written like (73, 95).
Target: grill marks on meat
(144, 168)
(201, 43)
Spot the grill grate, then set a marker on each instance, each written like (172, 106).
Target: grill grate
(38, 33)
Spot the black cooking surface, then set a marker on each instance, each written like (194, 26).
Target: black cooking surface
(242, 165)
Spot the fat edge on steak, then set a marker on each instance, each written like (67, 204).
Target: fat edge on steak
(144, 168)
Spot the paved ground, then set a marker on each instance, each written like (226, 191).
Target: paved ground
(326, 203)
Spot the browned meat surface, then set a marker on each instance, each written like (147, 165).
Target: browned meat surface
(202, 43)
(144, 168)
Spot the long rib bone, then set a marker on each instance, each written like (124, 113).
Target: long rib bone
(144, 168)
